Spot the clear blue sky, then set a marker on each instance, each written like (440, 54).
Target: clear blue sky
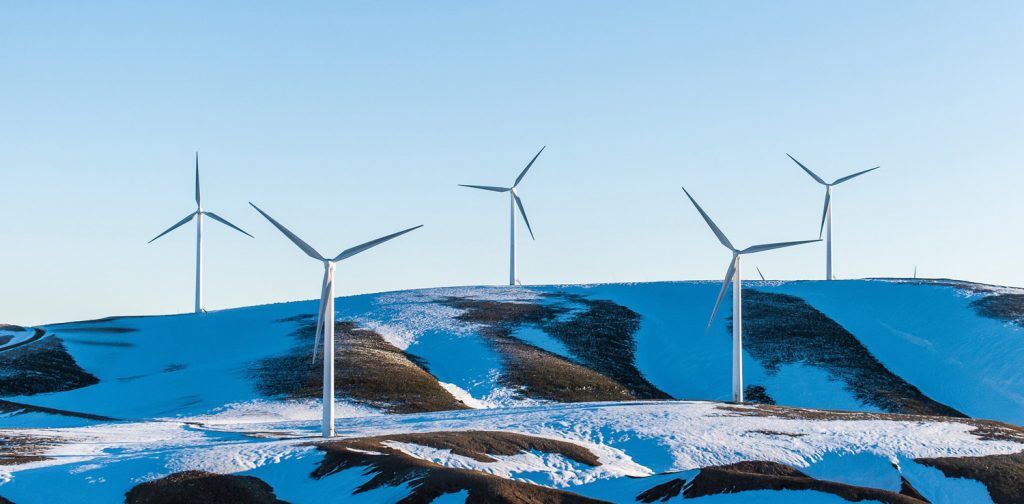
(348, 120)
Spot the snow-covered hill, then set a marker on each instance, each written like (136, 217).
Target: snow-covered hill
(103, 407)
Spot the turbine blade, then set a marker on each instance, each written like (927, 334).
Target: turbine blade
(772, 246)
(848, 177)
(226, 223)
(310, 251)
(759, 273)
(370, 244)
(809, 172)
(721, 294)
(523, 174)
(824, 213)
(522, 211)
(487, 188)
(197, 182)
(180, 223)
(320, 317)
(711, 224)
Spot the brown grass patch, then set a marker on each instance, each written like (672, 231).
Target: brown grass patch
(599, 339)
(757, 394)
(1006, 307)
(907, 489)
(536, 373)
(391, 467)
(663, 492)
(200, 487)
(17, 448)
(776, 433)
(21, 408)
(762, 475)
(369, 370)
(602, 339)
(45, 366)
(480, 445)
(1002, 475)
(503, 313)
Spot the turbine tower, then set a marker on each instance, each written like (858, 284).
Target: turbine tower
(198, 215)
(826, 214)
(733, 274)
(514, 201)
(325, 317)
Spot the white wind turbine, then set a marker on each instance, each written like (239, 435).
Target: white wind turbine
(733, 274)
(198, 215)
(826, 214)
(514, 201)
(325, 318)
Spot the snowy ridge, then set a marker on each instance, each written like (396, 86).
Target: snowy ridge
(189, 397)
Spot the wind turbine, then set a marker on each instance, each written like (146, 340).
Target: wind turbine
(733, 274)
(325, 318)
(826, 214)
(514, 201)
(198, 215)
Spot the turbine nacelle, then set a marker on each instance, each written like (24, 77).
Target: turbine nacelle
(828, 188)
(736, 253)
(198, 215)
(516, 203)
(329, 264)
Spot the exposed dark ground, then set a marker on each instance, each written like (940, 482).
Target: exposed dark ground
(995, 302)
(539, 374)
(757, 394)
(1006, 307)
(663, 492)
(17, 448)
(480, 445)
(1002, 475)
(761, 475)
(907, 489)
(428, 481)
(41, 367)
(368, 370)
(200, 487)
(19, 408)
(599, 338)
(779, 329)
(603, 338)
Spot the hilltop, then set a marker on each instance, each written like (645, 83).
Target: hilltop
(889, 390)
